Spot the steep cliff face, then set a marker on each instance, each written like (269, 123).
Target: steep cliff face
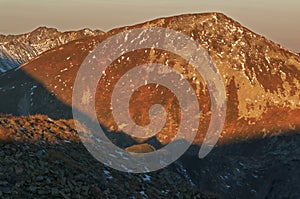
(18, 49)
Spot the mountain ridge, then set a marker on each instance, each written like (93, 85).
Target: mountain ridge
(15, 50)
(161, 19)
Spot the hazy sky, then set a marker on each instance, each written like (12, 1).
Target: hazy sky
(277, 20)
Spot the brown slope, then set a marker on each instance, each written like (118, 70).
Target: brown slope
(261, 78)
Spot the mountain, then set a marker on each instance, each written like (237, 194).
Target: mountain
(18, 49)
(261, 80)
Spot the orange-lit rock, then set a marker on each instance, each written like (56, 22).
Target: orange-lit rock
(262, 79)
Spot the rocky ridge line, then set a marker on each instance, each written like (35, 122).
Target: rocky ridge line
(18, 49)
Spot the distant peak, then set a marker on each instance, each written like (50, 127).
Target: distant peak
(51, 30)
(41, 28)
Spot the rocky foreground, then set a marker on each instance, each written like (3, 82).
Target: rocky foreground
(43, 158)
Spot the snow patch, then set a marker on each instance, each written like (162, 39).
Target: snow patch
(108, 174)
(146, 178)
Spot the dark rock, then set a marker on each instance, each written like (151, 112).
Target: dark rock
(6, 190)
(39, 178)
(54, 192)
(3, 183)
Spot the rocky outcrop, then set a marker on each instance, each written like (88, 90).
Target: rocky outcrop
(18, 49)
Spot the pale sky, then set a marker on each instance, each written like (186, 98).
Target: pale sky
(277, 20)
